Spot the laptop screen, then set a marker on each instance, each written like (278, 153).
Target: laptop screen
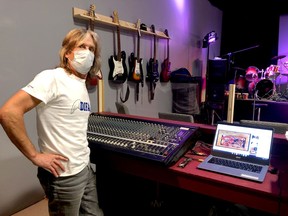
(249, 143)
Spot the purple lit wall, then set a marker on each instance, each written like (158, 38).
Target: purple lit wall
(282, 79)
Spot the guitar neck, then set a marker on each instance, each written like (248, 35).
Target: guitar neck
(116, 20)
(155, 51)
(138, 48)
(138, 40)
(168, 49)
(92, 14)
(154, 31)
(118, 44)
(166, 33)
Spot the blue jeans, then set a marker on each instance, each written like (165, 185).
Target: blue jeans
(72, 195)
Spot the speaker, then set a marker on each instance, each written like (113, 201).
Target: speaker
(216, 79)
(216, 92)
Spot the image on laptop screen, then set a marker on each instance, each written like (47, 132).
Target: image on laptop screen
(243, 141)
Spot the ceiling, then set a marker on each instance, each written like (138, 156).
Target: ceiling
(247, 23)
(273, 6)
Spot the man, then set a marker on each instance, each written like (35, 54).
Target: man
(63, 107)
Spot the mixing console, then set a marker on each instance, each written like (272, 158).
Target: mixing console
(157, 141)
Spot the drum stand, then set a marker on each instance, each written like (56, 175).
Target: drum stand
(285, 93)
(214, 106)
(258, 107)
(213, 116)
(254, 105)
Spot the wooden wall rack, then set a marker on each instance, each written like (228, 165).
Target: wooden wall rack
(85, 15)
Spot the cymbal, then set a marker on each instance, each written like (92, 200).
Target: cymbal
(278, 57)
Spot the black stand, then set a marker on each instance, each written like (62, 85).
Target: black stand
(257, 106)
(215, 103)
(231, 62)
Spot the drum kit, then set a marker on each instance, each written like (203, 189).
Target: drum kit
(262, 83)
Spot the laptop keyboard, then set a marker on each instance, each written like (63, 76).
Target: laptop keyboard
(236, 164)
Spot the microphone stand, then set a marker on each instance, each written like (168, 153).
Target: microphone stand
(231, 53)
(254, 101)
(242, 50)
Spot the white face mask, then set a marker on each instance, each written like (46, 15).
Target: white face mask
(83, 60)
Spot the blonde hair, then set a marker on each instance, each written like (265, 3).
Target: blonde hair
(71, 40)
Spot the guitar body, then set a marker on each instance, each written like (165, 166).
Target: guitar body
(136, 70)
(118, 69)
(165, 72)
(152, 76)
(152, 71)
(135, 65)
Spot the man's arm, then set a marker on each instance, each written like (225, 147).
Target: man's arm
(12, 121)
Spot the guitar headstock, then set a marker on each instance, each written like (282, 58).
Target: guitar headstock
(92, 10)
(153, 28)
(166, 32)
(115, 17)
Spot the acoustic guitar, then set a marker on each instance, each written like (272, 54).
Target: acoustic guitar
(118, 70)
(152, 68)
(135, 64)
(165, 72)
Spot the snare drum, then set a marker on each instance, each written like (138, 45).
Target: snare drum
(252, 74)
(264, 88)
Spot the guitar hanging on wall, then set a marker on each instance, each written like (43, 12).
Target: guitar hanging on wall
(97, 80)
(118, 70)
(91, 80)
(166, 71)
(152, 69)
(135, 64)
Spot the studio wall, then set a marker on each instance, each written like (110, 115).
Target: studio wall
(31, 33)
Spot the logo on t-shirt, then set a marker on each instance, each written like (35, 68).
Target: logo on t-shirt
(80, 105)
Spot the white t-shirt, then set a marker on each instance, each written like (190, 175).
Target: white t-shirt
(62, 117)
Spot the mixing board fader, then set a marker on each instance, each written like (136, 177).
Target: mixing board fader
(157, 141)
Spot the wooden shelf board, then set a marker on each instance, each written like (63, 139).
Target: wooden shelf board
(84, 14)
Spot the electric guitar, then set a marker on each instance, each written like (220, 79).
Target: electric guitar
(117, 63)
(152, 68)
(135, 64)
(165, 72)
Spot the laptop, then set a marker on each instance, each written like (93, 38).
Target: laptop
(236, 146)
